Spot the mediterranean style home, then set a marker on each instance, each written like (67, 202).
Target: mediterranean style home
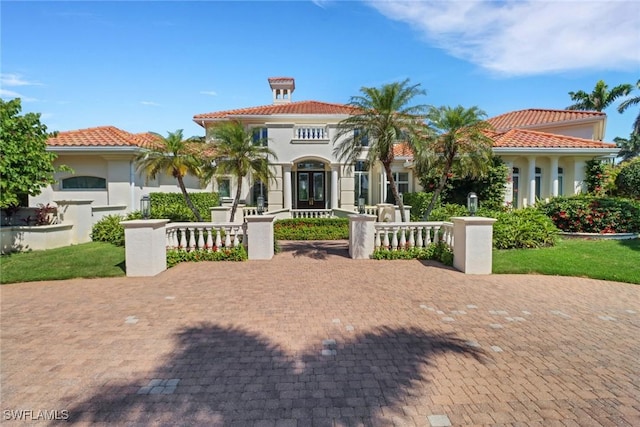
(546, 151)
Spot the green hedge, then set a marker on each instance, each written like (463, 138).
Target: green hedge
(436, 251)
(589, 214)
(312, 229)
(628, 179)
(109, 230)
(523, 228)
(174, 257)
(419, 203)
(172, 206)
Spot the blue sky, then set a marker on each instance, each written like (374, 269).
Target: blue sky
(150, 66)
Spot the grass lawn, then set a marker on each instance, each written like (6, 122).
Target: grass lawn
(617, 260)
(95, 259)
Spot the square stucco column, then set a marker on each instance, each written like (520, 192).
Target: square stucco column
(145, 243)
(78, 213)
(473, 244)
(362, 233)
(221, 214)
(260, 236)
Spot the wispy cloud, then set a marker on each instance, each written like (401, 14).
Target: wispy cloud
(321, 3)
(13, 80)
(10, 94)
(150, 103)
(209, 92)
(527, 37)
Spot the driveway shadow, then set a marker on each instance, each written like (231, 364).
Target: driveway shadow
(224, 376)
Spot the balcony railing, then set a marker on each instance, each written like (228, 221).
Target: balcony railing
(311, 134)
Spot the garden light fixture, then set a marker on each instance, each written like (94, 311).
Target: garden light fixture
(260, 205)
(472, 203)
(361, 205)
(145, 206)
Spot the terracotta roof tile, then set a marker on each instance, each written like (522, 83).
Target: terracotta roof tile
(294, 108)
(402, 150)
(103, 136)
(521, 138)
(532, 117)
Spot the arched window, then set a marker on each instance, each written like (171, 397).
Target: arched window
(84, 183)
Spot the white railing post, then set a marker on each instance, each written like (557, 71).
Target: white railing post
(260, 236)
(473, 244)
(145, 246)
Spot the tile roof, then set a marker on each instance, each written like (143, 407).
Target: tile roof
(521, 138)
(300, 107)
(102, 136)
(402, 150)
(533, 116)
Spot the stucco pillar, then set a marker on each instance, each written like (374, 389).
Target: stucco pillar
(334, 186)
(531, 176)
(579, 172)
(554, 176)
(508, 186)
(383, 186)
(221, 214)
(260, 236)
(473, 244)
(286, 185)
(78, 213)
(362, 234)
(145, 244)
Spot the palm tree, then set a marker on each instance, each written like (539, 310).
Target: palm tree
(238, 154)
(600, 98)
(635, 100)
(461, 145)
(383, 117)
(630, 147)
(173, 155)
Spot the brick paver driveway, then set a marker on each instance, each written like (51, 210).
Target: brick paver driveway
(312, 338)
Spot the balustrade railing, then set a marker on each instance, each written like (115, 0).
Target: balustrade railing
(369, 210)
(252, 210)
(314, 133)
(190, 236)
(311, 213)
(405, 235)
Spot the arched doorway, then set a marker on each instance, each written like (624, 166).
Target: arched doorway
(310, 184)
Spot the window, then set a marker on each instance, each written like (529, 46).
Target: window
(402, 181)
(358, 134)
(560, 181)
(224, 187)
(361, 176)
(84, 183)
(260, 189)
(261, 136)
(538, 179)
(515, 176)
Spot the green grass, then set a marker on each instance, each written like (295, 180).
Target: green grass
(617, 260)
(95, 259)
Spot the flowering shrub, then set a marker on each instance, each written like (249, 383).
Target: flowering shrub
(596, 177)
(226, 254)
(588, 214)
(628, 179)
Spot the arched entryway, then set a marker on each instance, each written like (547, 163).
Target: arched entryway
(311, 184)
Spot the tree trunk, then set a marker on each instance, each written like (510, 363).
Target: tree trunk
(187, 199)
(236, 199)
(394, 189)
(436, 194)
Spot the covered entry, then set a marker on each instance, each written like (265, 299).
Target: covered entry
(310, 185)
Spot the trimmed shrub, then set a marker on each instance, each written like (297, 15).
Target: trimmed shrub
(436, 251)
(237, 253)
(445, 212)
(628, 179)
(109, 230)
(173, 207)
(523, 228)
(312, 229)
(418, 202)
(588, 214)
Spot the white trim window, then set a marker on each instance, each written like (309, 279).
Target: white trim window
(83, 183)
(402, 181)
(361, 177)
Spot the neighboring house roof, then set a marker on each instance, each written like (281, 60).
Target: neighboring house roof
(294, 108)
(521, 138)
(534, 116)
(102, 136)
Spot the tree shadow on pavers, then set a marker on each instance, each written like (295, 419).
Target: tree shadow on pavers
(316, 249)
(230, 376)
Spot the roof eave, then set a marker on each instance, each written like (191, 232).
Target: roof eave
(556, 150)
(94, 149)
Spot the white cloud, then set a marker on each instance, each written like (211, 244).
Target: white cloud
(13, 80)
(209, 92)
(150, 103)
(528, 36)
(10, 94)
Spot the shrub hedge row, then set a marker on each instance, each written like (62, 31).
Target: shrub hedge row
(311, 229)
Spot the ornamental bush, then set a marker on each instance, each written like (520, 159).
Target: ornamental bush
(238, 253)
(311, 229)
(588, 214)
(523, 228)
(418, 202)
(628, 179)
(173, 207)
(435, 251)
(109, 230)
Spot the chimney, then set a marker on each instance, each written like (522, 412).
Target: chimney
(282, 88)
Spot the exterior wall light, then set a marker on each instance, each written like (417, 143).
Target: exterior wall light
(472, 203)
(145, 206)
(260, 205)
